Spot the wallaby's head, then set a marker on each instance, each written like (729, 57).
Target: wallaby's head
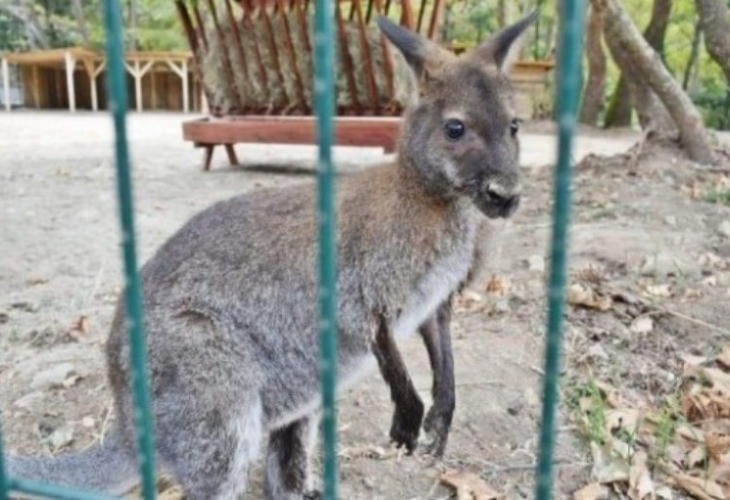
(461, 133)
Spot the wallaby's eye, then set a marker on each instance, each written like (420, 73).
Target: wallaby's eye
(455, 129)
(514, 126)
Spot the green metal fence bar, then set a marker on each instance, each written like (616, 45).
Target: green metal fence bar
(324, 91)
(568, 92)
(132, 296)
(4, 480)
(53, 491)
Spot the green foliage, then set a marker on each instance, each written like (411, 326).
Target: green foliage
(157, 24)
(12, 35)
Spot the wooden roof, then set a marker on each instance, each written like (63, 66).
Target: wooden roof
(57, 57)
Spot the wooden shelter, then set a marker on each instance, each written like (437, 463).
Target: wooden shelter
(259, 85)
(69, 78)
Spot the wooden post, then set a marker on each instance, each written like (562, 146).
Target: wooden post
(137, 86)
(137, 73)
(36, 90)
(6, 84)
(70, 88)
(93, 72)
(182, 72)
(185, 88)
(153, 87)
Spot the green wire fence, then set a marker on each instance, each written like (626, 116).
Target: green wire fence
(571, 34)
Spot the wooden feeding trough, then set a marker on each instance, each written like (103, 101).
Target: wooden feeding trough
(254, 58)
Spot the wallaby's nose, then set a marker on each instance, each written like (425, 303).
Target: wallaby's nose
(504, 189)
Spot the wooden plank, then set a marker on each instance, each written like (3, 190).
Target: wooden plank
(350, 131)
(192, 36)
(201, 25)
(247, 22)
(421, 13)
(436, 16)
(347, 65)
(372, 88)
(387, 59)
(298, 85)
(303, 27)
(237, 43)
(407, 14)
(264, 16)
(227, 65)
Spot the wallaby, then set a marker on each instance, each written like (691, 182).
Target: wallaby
(231, 298)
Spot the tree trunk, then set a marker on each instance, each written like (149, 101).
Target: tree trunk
(501, 14)
(716, 27)
(594, 89)
(643, 61)
(693, 56)
(78, 12)
(619, 111)
(656, 30)
(619, 108)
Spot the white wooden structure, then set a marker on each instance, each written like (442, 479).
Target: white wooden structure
(51, 77)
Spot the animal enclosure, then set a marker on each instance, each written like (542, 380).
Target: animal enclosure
(324, 99)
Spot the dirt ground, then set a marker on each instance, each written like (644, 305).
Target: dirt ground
(635, 228)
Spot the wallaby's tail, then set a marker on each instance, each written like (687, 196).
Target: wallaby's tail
(107, 468)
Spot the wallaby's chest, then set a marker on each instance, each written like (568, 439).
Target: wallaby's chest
(434, 286)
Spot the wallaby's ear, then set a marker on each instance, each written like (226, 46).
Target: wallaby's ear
(419, 52)
(496, 49)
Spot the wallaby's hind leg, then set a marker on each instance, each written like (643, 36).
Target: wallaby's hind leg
(436, 333)
(287, 463)
(408, 413)
(210, 448)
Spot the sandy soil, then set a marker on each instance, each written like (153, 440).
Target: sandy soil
(60, 275)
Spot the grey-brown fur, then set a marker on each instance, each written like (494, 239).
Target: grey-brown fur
(231, 299)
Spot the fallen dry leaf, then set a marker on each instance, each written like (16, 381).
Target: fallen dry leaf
(367, 451)
(641, 485)
(594, 491)
(659, 290)
(724, 357)
(469, 486)
(623, 418)
(664, 493)
(611, 395)
(607, 467)
(582, 295)
(79, 328)
(717, 447)
(498, 286)
(704, 489)
(642, 324)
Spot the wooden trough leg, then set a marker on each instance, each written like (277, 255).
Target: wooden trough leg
(207, 155)
(232, 158)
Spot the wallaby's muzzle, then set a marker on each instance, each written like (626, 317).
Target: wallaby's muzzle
(496, 203)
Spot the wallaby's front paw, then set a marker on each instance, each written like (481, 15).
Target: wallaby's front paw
(406, 426)
(437, 426)
(312, 495)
